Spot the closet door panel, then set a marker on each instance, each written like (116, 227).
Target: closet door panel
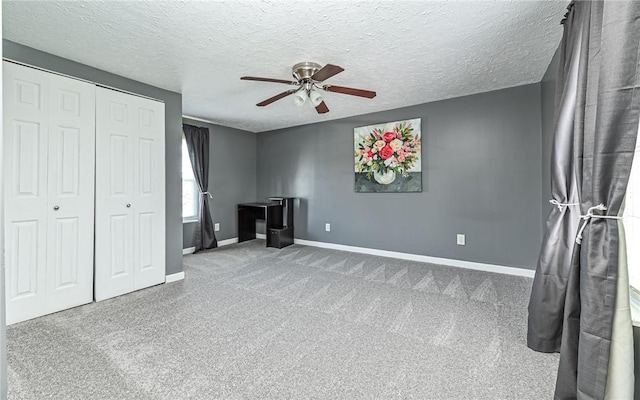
(71, 192)
(150, 194)
(25, 124)
(115, 140)
(130, 203)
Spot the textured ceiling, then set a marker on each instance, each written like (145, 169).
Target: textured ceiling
(409, 52)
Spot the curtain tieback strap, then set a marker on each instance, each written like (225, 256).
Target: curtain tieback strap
(587, 218)
(207, 194)
(560, 205)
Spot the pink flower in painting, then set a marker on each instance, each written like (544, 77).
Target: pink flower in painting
(389, 136)
(399, 135)
(386, 152)
(401, 158)
(370, 154)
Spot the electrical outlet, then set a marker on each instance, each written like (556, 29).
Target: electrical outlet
(460, 239)
(327, 227)
(216, 227)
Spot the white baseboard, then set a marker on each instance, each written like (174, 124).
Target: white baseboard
(261, 236)
(174, 277)
(227, 242)
(500, 269)
(221, 243)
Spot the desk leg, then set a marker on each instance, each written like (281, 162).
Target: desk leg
(246, 224)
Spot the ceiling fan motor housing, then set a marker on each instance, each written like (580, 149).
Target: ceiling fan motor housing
(305, 70)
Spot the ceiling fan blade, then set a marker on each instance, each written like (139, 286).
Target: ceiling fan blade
(276, 98)
(326, 72)
(353, 92)
(255, 78)
(322, 108)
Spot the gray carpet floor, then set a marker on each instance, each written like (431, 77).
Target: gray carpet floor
(298, 323)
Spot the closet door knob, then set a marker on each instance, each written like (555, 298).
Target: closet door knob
(56, 208)
(128, 205)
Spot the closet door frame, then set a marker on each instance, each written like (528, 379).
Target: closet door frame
(144, 218)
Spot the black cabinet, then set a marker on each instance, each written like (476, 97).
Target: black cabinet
(280, 238)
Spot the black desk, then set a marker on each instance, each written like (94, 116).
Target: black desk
(248, 213)
(279, 226)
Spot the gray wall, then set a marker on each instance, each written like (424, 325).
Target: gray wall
(548, 91)
(481, 177)
(232, 177)
(173, 124)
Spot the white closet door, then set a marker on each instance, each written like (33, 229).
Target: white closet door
(115, 134)
(149, 199)
(26, 123)
(71, 191)
(48, 141)
(130, 221)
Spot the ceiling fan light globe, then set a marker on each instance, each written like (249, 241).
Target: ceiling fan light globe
(316, 98)
(299, 98)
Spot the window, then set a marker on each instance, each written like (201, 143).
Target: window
(190, 191)
(631, 218)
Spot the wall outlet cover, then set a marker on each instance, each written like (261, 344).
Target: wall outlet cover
(327, 227)
(460, 239)
(216, 227)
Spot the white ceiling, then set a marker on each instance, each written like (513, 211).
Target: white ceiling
(409, 52)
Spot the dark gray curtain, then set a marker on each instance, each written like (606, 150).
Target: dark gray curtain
(605, 127)
(198, 145)
(546, 306)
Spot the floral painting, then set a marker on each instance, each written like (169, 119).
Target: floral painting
(388, 157)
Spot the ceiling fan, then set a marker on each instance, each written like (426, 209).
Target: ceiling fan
(308, 79)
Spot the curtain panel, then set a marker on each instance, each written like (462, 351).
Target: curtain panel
(198, 146)
(603, 38)
(546, 306)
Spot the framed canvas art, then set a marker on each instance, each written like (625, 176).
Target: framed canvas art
(388, 157)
